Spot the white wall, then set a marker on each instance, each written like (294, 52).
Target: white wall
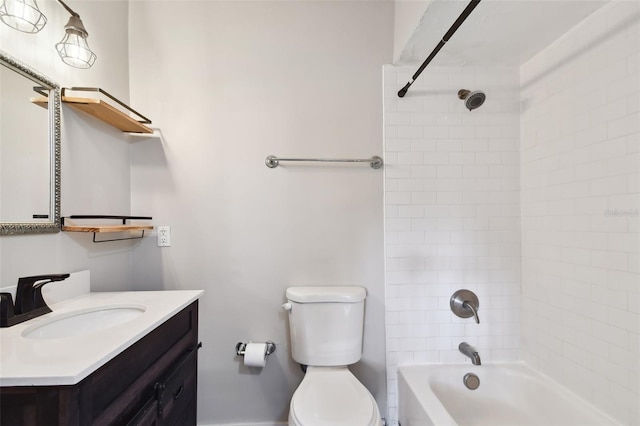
(451, 216)
(407, 17)
(95, 157)
(233, 83)
(580, 210)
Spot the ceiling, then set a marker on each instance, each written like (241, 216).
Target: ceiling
(497, 33)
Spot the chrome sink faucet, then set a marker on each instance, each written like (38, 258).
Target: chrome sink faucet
(29, 301)
(471, 352)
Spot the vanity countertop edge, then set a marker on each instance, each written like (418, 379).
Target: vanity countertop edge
(66, 361)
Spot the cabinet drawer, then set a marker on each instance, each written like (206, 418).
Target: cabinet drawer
(176, 393)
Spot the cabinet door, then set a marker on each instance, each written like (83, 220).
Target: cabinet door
(148, 416)
(177, 392)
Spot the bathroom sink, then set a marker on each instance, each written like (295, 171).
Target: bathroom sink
(84, 321)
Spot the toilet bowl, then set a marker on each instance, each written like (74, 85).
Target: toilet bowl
(332, 396)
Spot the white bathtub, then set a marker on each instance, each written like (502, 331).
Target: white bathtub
(509, 395)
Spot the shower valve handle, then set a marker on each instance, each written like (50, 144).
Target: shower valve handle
(465, 304)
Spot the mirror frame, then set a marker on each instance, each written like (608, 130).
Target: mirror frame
(12, 228)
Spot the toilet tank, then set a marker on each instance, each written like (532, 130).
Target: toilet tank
(326, 324)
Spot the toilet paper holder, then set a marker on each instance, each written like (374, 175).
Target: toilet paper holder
(241, 346)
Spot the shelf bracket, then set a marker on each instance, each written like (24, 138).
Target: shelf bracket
(117, 239)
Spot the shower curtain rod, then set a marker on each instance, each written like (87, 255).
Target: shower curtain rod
(465, 13)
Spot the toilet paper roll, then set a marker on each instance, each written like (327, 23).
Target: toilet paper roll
(255, 355)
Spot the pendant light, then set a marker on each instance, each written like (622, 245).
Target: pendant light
(22, 15)
(74, 49)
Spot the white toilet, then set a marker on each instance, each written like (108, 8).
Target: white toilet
(326, 326)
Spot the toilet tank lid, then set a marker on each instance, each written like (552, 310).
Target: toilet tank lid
(348, 294)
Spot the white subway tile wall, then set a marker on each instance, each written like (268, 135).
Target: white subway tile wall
(452, 216)
(581, 210)
(564, 127)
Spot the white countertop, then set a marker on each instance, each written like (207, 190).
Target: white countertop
(66, 361)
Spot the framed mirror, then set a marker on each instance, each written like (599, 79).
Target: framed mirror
(29, 150)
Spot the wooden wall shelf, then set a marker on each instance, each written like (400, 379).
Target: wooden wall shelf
(105, 112)
(106, 228)
(102, 110)
(103, 228)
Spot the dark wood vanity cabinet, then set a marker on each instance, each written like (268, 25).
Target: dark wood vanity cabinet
(153, 382)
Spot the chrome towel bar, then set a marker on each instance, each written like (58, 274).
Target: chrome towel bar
(375, 162)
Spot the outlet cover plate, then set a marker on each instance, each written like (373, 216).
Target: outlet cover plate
(164, 236)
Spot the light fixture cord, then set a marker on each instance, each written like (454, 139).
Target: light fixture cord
(68, 9)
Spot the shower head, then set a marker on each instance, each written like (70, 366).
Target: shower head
(472, 99)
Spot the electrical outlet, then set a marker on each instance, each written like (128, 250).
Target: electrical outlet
(164, 236)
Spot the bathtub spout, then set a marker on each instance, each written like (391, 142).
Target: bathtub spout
(470, 352)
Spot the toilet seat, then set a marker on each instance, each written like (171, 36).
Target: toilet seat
(332, 396)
